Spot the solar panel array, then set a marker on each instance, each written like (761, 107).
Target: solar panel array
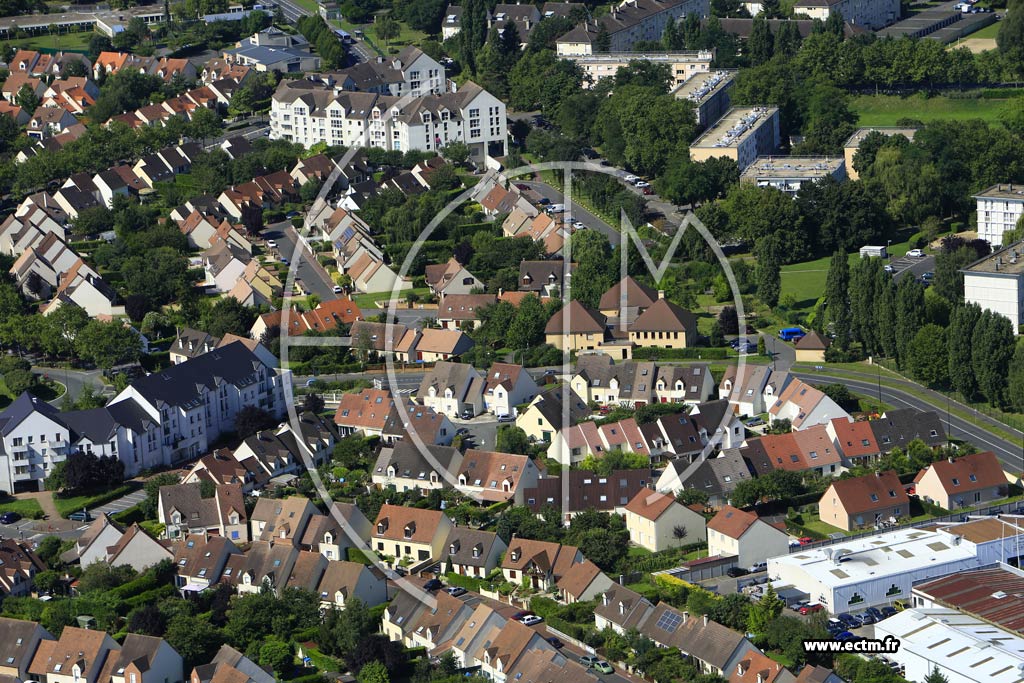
(669, 621)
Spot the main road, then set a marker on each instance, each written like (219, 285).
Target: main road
(1010, 453)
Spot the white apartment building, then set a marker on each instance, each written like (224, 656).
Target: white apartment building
(788, 174)
(996, 283)
(743, 135)
(870, 14)
(628, 22)
(683, 65)
(310, 112)
(999, 209)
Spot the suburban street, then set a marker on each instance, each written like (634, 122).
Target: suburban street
(312, 275)
(1010, 453)
(292, 10)
(74, 380)
(554, 195)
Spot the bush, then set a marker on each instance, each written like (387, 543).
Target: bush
(654, 353)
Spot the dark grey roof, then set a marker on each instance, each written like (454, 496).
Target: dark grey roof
(550, 406)
(409, 462)
(714, 476)
(97, 425)
(21, 408)
(534, 276)
(131, 415)
(463, 540)
(13, 632)
(896, 428)
(180, 385)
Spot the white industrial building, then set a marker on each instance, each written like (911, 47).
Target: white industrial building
(878, 570)
(999, 209)
(995, 283)
(963, 648)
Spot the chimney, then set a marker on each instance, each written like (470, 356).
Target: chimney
(705, 620)
(686, 617)
(604, 599)
(760, 678)
(878, 474)
(661, 293)
(622, 608)
(950, 458)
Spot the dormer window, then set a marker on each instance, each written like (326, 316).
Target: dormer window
(409, 530)
(382, 526)
(515, 555)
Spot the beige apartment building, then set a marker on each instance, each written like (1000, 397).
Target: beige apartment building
(743, 135)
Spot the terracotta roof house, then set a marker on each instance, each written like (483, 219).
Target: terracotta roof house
(576, 327)
(183, 510)
(78, 653)
(365, 412)
(734, 532)
(430, 345)
(18, 566)
(143, 659)
(201, 560)
(575, 443)
(472, 552)
(491, 476)
(804, 406)
(664, 325)
(412, 535)
(653, 519)
(855, 440)
(810, 449)
(540, 562)
(962, 482)
(756, 667)
(811, 348)
(507, 385)
(866, 501)
(457, 310)
(230, 666)
(281, 520)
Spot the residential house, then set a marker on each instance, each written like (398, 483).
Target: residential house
(136, 549)
(966, 481)
(581, 582)
(143, 659)
(708, 427)
(281, 521)
(745, 387)
(19, 565)
(12, 86)
(539, 563)
(405, 467)
(585, 491)
(664, 325)
(410, 535)
(191, 344)
(365, 412)
(627, 299)
(78, 655)
(472, 552)
(201, 560)
(898, 427)
(573, 444)
(328, 315)
(456, 311)
(810, 449)
(429, 345)
(230, 666)
(684, 384)
(656, 521)
(544, 278)
(265, 566)
(451, 278)
(811, 348)
(804, 406)
(452, 389)
(489, 476)
(756, 667)
(506, 386)
(408, 418)
(184, 511)
(543, 418)
(621, 609)
(626, 23)
(600, 380)
(48, 121)
(854, 440)
(333, 534)
(575, 327)
(867, 501)
(19, 641)
(716, 476)
(224, 264)
(743, 535)
(344, 580)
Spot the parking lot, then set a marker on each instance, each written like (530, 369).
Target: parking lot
(918, 267)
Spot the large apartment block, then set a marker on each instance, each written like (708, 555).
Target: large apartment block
(999, 209)
(627, 23)
(788, 174)
(683, 65)
(996, 283)
(310, 112)
(871, 14)
(709, 94)
(743, 135)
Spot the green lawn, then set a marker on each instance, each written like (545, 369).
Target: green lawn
(806, 281)
(886, 110)
(368, 302)
(28, 507)
(990, 31)
(75, 42)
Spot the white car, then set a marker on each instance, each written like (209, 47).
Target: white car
(337, 289)
(532, 620)
(579, 225)
(272, 244)
(642, 184)
(631, 179)
(915, 253)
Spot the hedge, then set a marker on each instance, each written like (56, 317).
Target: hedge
(152, 596)
(695, 353)
(470, 583)
(357, 555)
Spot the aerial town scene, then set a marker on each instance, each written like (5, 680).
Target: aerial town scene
(425, 341)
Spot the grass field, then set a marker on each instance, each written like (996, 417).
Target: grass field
(28, 507)
(990, 31)
(65, 41)
(806, 281)
(886, 110)
(368, 302)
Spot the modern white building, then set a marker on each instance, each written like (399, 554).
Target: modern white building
(870, 14)
(996, 283)
(682, 65)
(310, 112)
(789, 174)
(878, 570)
(999, 209)
(961, 647)
(743, 134)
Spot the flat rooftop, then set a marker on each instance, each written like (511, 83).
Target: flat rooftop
(861, 133)
(792, 167)
(897, 552)
(974, 648)
(1007, 261)
(1011, 191)
(701, 88)
(995, 595)
(661, 57)
(924, 20)
(734, 127)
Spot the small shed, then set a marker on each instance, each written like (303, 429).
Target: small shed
(811, 348)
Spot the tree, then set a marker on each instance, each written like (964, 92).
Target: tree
(195, 639)
(374, 672)
(147, 620)
(728, 320)
(1010, 39)
(278, 655)
(27, 99)
(595, 268)
(1015, 379)
(769, 271)
(227, 316)
(760, 44)
(928, 356)
(527, 328)
(992, 349)
(387, 29)
(765, 611)
(935, 676)
(342, 632)
(252, 419)
(680, 533)
(909, 315)
(313, 403)
(204, 123)
(19, 381)
(692, 497)
(108, 344)
(511, 439)
(837, 286)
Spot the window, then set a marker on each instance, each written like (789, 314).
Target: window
(874, 498)
(956, 482)
(893, 590)
(973, 478)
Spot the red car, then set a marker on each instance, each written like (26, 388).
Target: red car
(806, 540)
(811, 609)
(648, 191)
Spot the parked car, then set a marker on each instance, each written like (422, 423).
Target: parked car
(900, 605)
(797, 606)
(888, 268)
(589, 660)
(811, 609)
(467, 414)
(915, 253)
(834, 626)
(647, 191)
(81, 516)
(758, 567)
(603, 667)
(521, 186)
(519, 616)
(432, 585)
(850, 620)
(532, 620)
(735, 572)
(284, 260)
(505, 417)
(927, 277)
(455, 591)
(757, 422)
(461, 431)
(272, 244)
(401, 571)
(642, 184)
(874, 612)
(887, 612)
(9, 518)
(867, 618)
(337, 289)
(555, 642)
(631, 178)
(806, 540)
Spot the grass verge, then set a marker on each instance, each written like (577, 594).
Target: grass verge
(26, 507)
(65, 506)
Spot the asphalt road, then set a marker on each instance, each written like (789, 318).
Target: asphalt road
(314, 278)
(909, 266)
(1010, 453)
(292, 11)
(75, 380)
(554, 195)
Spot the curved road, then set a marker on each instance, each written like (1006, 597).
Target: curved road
(1010, 453)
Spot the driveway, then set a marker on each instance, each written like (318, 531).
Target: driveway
(910, 266)
(75, 381)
